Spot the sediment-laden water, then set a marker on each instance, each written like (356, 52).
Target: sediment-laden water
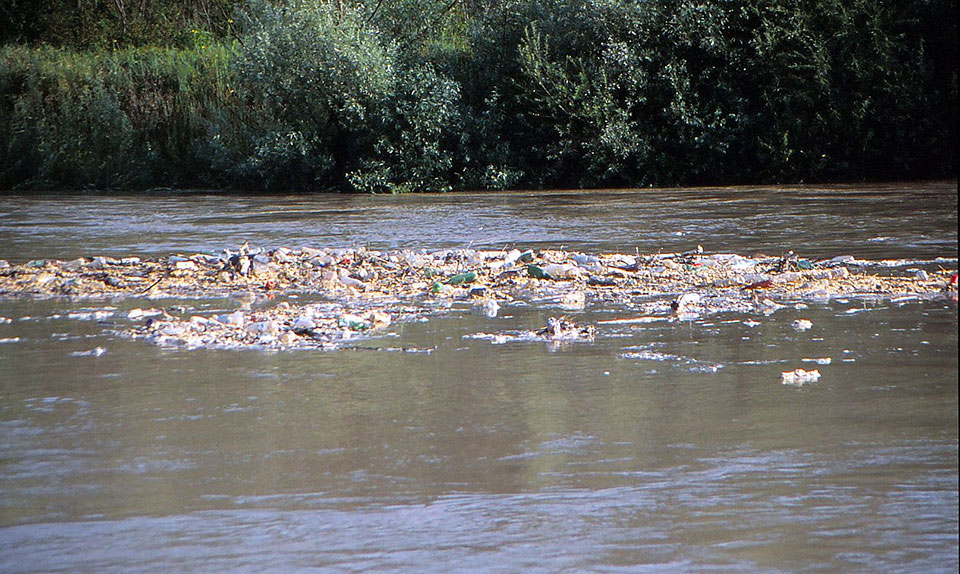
(662, 446)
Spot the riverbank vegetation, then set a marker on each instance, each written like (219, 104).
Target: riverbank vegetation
(434, 95)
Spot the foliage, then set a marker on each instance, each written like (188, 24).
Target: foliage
(315, 84)
(114, 24)
(137, 118)
(405, 95)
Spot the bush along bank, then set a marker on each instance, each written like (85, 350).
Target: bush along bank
(128, 119)
(434, 96)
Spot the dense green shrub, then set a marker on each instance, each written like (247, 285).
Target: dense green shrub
(315, 84)
(330, 104)
(417, 146)
(687, 92)
(403, 95)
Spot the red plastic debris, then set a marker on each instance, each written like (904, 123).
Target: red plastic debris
(765, 284)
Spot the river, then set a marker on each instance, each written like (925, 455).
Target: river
(665, 447)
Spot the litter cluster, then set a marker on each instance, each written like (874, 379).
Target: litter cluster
(364, 290)
(318, 326)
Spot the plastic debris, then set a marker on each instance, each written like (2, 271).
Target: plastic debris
(802, 324)
(409, 283)
(537, 272)
(234, 319)
(488, 307)
(573, 300)
(799, 377)
(561, 328)
(353, 322)
(557, 330)
(185, 266)
(304, 324)
(349, 281)
(95, 352)
(632, 320)
(561, 271)
(263, 327)
(462, 278)
(512, 257)
(371, 320)
(686, 303)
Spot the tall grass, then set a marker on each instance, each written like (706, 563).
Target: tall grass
(128, 118)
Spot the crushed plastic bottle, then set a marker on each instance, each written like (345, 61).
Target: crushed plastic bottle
(462, 278)
(512, 257)
(537, 272)
(561, 271)
(352, 322)
(799, 377)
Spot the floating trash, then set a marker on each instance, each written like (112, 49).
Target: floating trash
(487, 307)
(95, 352)
(574, 300)
(561, 328)
(710, 369)
(90, 315)
(462, 278)
(557, 329)
(633, 320)
(139, 313)
(802, 325)
(406, 284)
(799, 377)
(686, 303)
(647, 355)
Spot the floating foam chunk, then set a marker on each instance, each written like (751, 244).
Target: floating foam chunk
(561, 271)
(234, 319)
(185, 265)
(349, 281)
(487, 307)
(573, 300)
(263, 328)
(799, 377)
(95, 352)
(304, 322)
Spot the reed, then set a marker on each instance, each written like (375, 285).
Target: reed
(137, 117)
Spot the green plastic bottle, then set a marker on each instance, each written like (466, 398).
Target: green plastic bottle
(537, 272)
(468, 277)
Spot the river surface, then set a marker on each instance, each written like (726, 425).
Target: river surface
(662, 447)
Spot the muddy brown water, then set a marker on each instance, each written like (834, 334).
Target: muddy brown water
(661, 447)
